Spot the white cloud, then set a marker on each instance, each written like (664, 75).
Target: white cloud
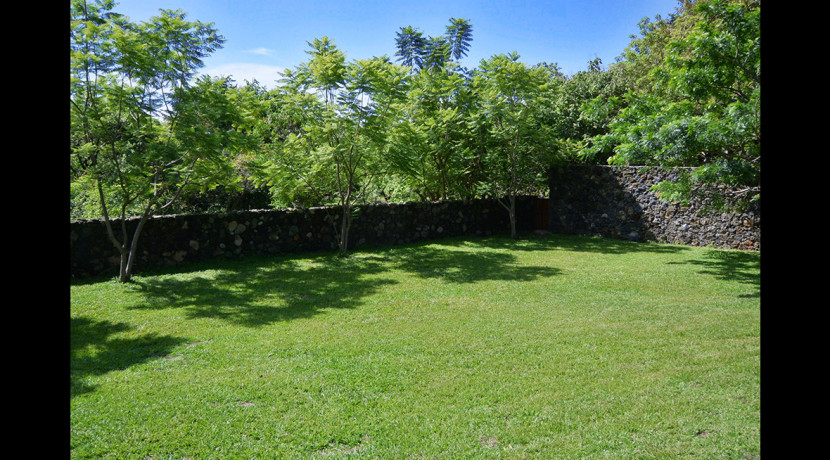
(261, 51)
(266, 75)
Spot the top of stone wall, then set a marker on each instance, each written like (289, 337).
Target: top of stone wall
(289, 210)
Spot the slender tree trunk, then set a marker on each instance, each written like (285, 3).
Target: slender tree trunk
(120, 246)
(512, 212)
(126, 256)
(345, 225)
(509, 203)
(122, 251)
(128, 272)
(346, 221)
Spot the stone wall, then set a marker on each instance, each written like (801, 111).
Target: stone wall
(178, 239)
(616, 203)
(584, 200)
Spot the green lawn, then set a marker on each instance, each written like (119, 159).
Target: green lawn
(543, 347)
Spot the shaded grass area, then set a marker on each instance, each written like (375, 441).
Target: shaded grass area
(542, 347)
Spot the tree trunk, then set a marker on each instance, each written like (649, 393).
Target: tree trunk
(510, 206)
(122, 266)
(512, 212)
(128, 273)
(127, 256)
(346, 222)
(345, 225)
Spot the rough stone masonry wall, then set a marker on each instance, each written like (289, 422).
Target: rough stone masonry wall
(178, 239)
(616, 203)
(585, 200)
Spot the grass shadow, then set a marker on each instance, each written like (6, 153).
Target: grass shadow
(259, 291)
(741, 266)
(93, 351)
(461, 260)
(531, 241)
(262, 290)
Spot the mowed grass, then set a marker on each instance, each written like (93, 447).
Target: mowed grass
(542, 347)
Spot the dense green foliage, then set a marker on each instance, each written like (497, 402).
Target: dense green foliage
(434, 136)
(428, 127)
(146, 138)
(702, 107)
(344, 112)
(552, 348)
(514, 143)
(582, 108)
(141, 130)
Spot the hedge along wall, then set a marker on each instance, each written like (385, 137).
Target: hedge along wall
(616, 203)
(178, 239)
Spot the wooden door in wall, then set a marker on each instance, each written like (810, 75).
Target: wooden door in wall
(541, 214)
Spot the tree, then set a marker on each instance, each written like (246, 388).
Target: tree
(648, 50)
(582, 107)
(418, 52)
(140, 132)
(411, 47)
(432, 136)
(433, 133)
(514, 144)
(459, 35)
(343, 112)
(703, 112)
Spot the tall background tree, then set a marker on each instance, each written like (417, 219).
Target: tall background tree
(581, 108)
(141, 133)
(411, 45)
(459, 35)
(433, 135)
(418, 52)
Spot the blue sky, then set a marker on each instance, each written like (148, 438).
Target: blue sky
(265, 37)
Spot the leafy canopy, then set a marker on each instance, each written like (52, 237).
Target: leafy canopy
(341, 112)
(418, 52)
(141, 131)
(703, 111)
(514, 144)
